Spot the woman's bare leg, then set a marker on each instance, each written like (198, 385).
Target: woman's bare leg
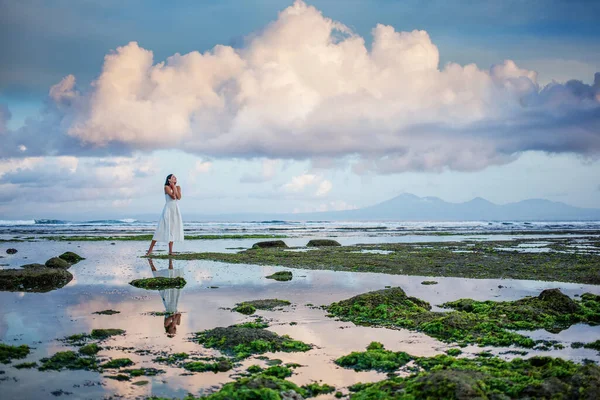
(170, 248)
(151, 247)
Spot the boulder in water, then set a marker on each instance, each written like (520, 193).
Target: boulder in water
(322, 243)
(270, 244)
(56, 262)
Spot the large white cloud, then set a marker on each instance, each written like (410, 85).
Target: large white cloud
(308, 87)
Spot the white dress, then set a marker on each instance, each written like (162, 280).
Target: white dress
(170, 297)
(170, 225)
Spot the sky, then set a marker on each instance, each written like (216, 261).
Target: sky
(292, 106)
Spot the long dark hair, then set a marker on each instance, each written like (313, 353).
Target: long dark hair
(167, 180)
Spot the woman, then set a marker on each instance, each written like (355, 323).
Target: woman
(170, 226)
(170, 297)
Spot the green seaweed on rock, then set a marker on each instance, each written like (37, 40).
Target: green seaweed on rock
(486, 323)
(375, 358)
(9, 352)
(159, 283)
(241, 341)
(447, 377)
(68, 360)
(281, 276)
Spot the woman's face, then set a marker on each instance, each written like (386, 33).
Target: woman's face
(173, 179)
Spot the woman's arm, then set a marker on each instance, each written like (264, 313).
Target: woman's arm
(178, 192)
(171, 192)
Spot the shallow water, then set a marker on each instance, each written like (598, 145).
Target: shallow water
(101, 282)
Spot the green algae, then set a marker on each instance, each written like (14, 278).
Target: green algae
(267, 304)
(242, 341)
(149, 237)
(35, 279)
(9, 352)
(171, 358)
(57, 262)
(481, 261)
(447, 377)
(258, 386)
(244, 308)
(270, 244)
(375, 358)
(90, 349)
(141, 383)
(159, 283)
(27, 365)
(68, 360)
(486, 323)
(142, 372)
(593, 345)
(101, 334)
(322, 243)
(70, 257)
(278, 371)
(281, 276)
(118, 363)
(315, 389)
(219, 366)
(250, 307)
(454, 352)
(107, 312)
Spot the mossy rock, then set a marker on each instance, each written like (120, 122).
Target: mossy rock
(33, 265)
(68, 360)
(375, 358)
(35, 279)
(445, 377)
(486, 323)
(267, 304)
(218, 366)
(244, 308)
(322, 243)
(90, 349)
(9, 352)
(269, 244)
(70, 257)
(11, 251)
(242, 341)
(429, 283)
(394, 297)
(281, 276)
(159, 283)
(56, 262)
(117, 363)
(101, 334)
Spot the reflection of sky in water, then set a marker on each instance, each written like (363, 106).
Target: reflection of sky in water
(101, 282)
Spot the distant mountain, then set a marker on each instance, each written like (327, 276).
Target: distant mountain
(408, 207)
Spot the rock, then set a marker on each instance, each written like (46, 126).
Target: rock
(281, 276)
(35, 279)
(555, 300)
(322, 243)
(11, 251)
(159, 283)
(71, 257)
(56, 262)
(270, 244)
(429, 283)
(245, 309)
(267, 304)
(34, 265)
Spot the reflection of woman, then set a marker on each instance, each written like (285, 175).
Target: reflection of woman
(170, 297)
(170, 225)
